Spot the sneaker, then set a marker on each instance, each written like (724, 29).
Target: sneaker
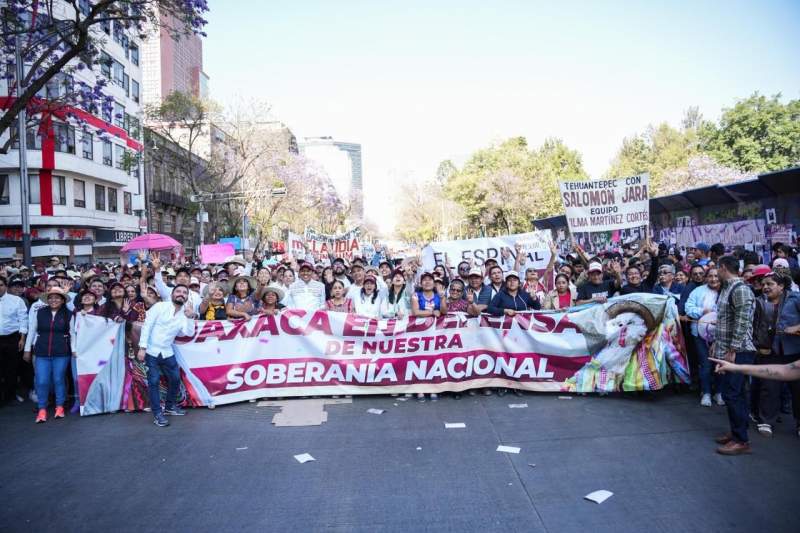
(175, 411)
(20, 399)
(724, 439)
(32, 396)
(705, 401)
(420, 397)
(516, 392)
(408, 395)
(765, 430)
(501, 392)
(76, 408)
(487, 392)
(718, 399)
(59, 412)
(161, 421)
(734, 448)
(434, 397)
(471, 392)
(41, 416)
(148, 409)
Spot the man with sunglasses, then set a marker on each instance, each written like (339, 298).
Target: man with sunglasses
(666, 282)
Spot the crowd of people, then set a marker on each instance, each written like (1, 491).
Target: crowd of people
(735, 311)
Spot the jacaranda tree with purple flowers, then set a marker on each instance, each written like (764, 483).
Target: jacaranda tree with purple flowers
(61, 43)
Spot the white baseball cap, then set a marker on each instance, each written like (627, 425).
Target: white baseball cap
(595, 267)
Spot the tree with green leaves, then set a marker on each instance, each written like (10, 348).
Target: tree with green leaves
(756, 134)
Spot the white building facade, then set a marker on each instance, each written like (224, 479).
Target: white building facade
(97, 184)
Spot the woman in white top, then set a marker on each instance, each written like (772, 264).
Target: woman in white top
(368, 302)
(397, 303)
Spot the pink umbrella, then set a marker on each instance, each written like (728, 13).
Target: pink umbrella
(151, 241)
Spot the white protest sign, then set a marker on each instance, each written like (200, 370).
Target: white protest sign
(296, 245)
(535, 247)
(606, 205)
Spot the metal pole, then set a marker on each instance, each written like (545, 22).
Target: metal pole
(202, 225)
(23, 160)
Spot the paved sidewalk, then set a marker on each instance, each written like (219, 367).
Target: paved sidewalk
(655, 453)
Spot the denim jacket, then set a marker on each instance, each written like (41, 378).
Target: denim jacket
(790, 316)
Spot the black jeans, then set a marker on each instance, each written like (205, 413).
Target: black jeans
(770, 401)
(9, 364)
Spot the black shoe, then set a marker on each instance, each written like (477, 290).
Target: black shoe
(161, 421)
(456, 395)
(501, 392)
(516, 392)
(175, 411)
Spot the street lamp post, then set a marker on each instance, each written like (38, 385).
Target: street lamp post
(23, 159)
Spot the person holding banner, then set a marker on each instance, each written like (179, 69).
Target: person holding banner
(597, 289)
(397, 303)
(164, 322)
(488, 292)
(511, 300)
(338, 301)
(369, 300)
(455, 297)
(563, 296)
(271, 300)
(428, 303)
(307, 293)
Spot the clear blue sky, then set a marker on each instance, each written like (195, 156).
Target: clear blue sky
(418, 82)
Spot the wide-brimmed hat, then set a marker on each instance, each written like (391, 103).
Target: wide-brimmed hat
(238, 259)
(278, 290)
(58, 291)
(249, 279)
(88, 275)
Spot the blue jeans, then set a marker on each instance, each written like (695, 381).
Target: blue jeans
(155, 366)
(706, 372)
(735, 396)
(51, 372)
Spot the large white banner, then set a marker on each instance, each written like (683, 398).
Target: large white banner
(535, 247)
(606, 205)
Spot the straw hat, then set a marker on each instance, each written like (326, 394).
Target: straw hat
(237, 259)
(249, 279)
(278, 290)
(58, 291)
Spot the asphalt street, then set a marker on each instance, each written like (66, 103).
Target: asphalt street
(230, 469)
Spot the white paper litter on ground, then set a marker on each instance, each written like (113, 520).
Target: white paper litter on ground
(517, 405)
(304, 458)
(599, 496)
(419, 448)
(376, 411)
(242, 448)
(454, 425)
(402, 399)
(508, 449)
(565, 397)
(532, 465)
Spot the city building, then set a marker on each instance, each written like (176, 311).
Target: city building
(97, 189)
(172, 65)
(169, 209)
(342, 162)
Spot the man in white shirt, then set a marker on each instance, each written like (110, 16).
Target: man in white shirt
(182, 277)
(13, 329)
(306, 293)
(358, 273)
(165, 321)
(340, 271)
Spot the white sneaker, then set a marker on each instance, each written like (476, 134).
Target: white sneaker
(765, 430)
(20, 399)
(705, 401)
(718, 399)
(32, 396)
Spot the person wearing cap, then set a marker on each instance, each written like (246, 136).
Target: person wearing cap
(271, 297)
(369, 301)
(164, 322)
(194, 284)
(785, 252)
(427, 302)
(182, 277)
(781, 266)
(596, 289)
(701, 251)
(511, 299)
(474, 286)
(13, 332)
(666, 282)
(385, 269)
(463, 272)
(242, 302)
(306, 293)
(49, 343)
(489, 291)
